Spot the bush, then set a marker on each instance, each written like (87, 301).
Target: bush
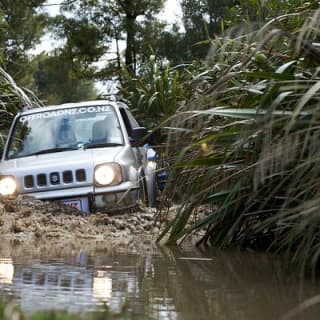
(252, 151)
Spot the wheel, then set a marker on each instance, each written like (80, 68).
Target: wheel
(151, 184)
(142, 195)
(152, 191)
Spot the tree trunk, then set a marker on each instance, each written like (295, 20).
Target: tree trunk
(130, 45)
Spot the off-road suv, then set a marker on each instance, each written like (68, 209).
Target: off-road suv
(88, 155)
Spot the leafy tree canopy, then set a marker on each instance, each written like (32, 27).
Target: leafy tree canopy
(104, 22)
(21, 29)
(202, 19)
(56, 83)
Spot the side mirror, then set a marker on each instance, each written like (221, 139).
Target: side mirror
(154, 137)
(138, 136)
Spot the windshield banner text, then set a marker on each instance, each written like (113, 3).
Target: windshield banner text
(63, 112)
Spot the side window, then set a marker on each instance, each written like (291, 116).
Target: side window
(129, 121)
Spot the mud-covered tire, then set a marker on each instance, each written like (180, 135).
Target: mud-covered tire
(142, 194)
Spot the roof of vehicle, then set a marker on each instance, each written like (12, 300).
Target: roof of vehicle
(75, 105)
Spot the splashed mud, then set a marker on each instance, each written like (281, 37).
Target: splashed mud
(27, 219)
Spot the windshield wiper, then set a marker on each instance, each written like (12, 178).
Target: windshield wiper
(52, 150)
(101, 145)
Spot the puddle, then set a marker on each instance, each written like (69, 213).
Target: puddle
(156, 282)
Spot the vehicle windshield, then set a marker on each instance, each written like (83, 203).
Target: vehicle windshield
(64, 129)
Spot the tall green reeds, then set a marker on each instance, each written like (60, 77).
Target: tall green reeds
(252, 157)
(156, 93)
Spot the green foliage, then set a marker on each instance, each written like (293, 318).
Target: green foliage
(257, 10)
(170, 46)
(86, 36)
(17, 36)
(147, 36)
(56, 80)
(202, 20)
(157, 92)
(97, 23)
(251, 156)
(12, 100)
(132, 9)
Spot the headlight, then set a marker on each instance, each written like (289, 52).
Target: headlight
(8, 186)
(107, 174)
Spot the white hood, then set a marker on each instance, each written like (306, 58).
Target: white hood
(62, 160)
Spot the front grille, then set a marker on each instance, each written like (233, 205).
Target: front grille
(41, 180)
(67, 176)
(54, 178)
(28, 181)
(81, 175)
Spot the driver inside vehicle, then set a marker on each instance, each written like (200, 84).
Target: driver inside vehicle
(66, 135)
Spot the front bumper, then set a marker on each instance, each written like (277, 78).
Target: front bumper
(93, 199)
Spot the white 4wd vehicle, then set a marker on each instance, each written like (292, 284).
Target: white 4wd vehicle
(87, 155)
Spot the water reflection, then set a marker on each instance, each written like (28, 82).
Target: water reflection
(161, 284)
(6, 271)
(102, 286)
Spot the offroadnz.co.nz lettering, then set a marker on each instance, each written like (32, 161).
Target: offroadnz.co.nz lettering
(63, 112)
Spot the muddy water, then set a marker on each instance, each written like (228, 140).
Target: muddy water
(158, 283)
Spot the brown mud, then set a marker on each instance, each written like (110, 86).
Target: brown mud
(43, 223)
(25, 218)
